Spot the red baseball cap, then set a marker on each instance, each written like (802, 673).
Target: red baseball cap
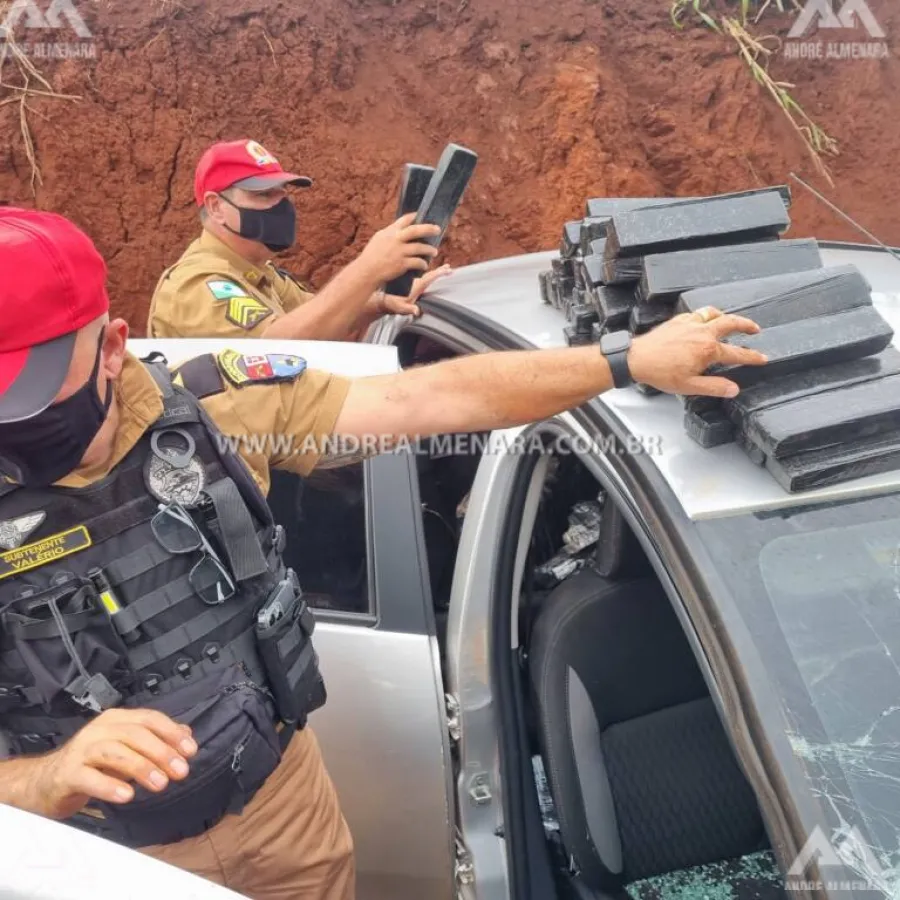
(54, 283)
(242, 164)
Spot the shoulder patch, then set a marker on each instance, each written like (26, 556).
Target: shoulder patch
(225, 290)
(247, 312)
(271, 368)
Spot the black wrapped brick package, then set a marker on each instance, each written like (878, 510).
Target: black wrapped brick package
(835, 465)
(614, 306)
(575, 338)
(621, 271)
(826, 407)
(598, 248)
(645, 316)
(609, 206)
(810, 382)
(590, 271)
(667, 275)
(708, 427)
(780, 299)
(553, 291)
(571, 240)
(689, 224)
(592, 229)
(854, 414)
(582, 317)
(810, 344)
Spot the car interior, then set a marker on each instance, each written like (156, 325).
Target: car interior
(640, 789)
(334, 573)
(639, 792)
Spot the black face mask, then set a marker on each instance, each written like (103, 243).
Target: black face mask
(276, 227)
(43, 449)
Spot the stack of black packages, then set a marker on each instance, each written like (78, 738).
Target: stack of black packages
(826, 407)
(576, 283)
(624, 266)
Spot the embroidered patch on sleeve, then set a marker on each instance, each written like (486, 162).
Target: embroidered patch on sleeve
(285, 366)
(241, 369)
(225, 290)
(247, 312)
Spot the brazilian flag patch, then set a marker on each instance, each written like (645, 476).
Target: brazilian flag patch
(241, 309)
(225, 290)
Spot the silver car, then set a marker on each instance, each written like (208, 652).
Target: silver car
(586, 656)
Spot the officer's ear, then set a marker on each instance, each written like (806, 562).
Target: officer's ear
(214, 209)
(113, 351)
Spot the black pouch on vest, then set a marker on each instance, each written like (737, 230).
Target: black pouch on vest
(233, 723)
(66, 640)
(284, 631)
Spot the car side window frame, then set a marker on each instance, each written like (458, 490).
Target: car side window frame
(396, 565)
(605, 469)
(365, 618)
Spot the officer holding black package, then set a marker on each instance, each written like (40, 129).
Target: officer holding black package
(156, 663)
(226, 285)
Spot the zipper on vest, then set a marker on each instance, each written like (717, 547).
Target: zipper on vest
(236, 765)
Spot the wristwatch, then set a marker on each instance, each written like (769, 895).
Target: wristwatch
(615, 346)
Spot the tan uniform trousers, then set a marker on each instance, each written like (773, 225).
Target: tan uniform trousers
(290, 843)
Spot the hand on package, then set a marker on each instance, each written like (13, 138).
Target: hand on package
(673, 356)
(397, 248)
(391, 304)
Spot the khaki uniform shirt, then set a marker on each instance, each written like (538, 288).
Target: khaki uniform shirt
(213, 292)
(306, 407)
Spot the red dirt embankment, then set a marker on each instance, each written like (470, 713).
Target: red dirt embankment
(562, 101)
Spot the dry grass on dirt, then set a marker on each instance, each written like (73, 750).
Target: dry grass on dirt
(20, 81)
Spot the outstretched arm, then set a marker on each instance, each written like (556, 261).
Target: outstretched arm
(500, 390)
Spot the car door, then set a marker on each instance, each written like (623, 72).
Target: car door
(354, 535)
(502, 510)
(383, 730)
(507, 857)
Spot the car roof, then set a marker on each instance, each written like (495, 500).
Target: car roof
(707, 482)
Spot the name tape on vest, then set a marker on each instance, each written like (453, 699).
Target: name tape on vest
(45, 551)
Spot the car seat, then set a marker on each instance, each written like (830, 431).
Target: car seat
(640, 769)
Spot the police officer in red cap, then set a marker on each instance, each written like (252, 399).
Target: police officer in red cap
(105, 700)
(226, 285)
(156, 663)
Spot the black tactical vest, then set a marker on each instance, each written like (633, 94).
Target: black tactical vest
(236, 665)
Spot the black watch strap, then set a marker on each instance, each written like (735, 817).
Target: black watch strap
(615, 347)
(618, 363)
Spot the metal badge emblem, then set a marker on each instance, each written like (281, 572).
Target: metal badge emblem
(174, 474)
(14, 532)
